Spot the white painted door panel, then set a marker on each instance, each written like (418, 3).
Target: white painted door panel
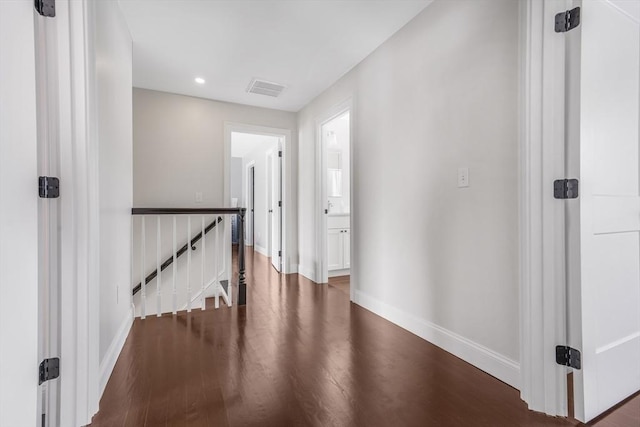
(276, 216)
(335, 249)
(609, 206)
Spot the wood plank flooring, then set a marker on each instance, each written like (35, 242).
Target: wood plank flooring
(299, 354)
(341, 283)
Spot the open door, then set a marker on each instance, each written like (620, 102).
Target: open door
(608, 330)
(276, 207)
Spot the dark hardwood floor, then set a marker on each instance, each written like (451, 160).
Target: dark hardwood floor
(299, 354)
(341, 283)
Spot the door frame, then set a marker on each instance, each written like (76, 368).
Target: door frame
(71, 104)
(322, 272)
(288, 212)
(543, 323)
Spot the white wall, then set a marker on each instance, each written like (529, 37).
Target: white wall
(113, 50)
(179, 150)
(18, 217)
(258, 157)
(438, 260)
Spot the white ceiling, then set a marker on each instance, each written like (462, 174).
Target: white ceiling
(305, 45)
(245, 143)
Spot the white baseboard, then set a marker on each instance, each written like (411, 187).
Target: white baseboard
(338, 273)
(110, 358)
(293, 269)
(494, 364)
(262, 250)
(309, 273)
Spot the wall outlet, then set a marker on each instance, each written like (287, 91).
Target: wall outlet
(463, 177)
(198, 197)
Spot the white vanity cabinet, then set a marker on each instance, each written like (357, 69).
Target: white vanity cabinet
(338, 243)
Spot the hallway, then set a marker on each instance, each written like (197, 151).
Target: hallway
(298, 354)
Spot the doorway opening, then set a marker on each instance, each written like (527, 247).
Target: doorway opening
(335, 186)
(256, 184)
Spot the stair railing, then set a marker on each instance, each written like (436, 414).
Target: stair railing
(216, 285)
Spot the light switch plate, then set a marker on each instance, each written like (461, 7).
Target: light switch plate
(463, 177)
(198, 197)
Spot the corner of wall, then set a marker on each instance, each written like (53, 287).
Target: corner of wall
(111, 356)
(487, 360)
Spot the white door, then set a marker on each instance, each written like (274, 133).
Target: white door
(335, 249)
(276, 207)
(609, 206)
(18, 217)
(269, 193)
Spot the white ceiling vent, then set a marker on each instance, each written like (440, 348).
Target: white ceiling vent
(262, 87)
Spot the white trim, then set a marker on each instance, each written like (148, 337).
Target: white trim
(261, 250)
(288, 211)
(320, 218)
(114, 350)
(80, 289)
(542, 276)
(478, 355)
(341, 272)
(307, 272)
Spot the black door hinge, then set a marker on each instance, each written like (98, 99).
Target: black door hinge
(48, 187)
(279, 153)
(567, 21)
(280, 253)
(567, 356)
(280, 203)
(565, 189)
(46, 7)
(49, 369)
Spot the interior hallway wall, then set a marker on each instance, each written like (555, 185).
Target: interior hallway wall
(113, 50)
(439, 260)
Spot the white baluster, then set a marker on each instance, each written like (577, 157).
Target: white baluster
(143, 282)
(189, 264)
(158, 268)
(216, 273)
(202, 260)
(175, 268)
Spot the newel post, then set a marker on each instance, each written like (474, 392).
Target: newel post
(242, 284)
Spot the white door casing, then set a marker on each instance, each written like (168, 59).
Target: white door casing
(287, 207)
(322, 267)
(609, 329)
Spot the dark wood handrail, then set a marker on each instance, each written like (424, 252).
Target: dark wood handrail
(181, 251)
(187, 211)
(242, 284)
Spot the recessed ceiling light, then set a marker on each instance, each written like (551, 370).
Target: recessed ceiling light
(199, 80)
